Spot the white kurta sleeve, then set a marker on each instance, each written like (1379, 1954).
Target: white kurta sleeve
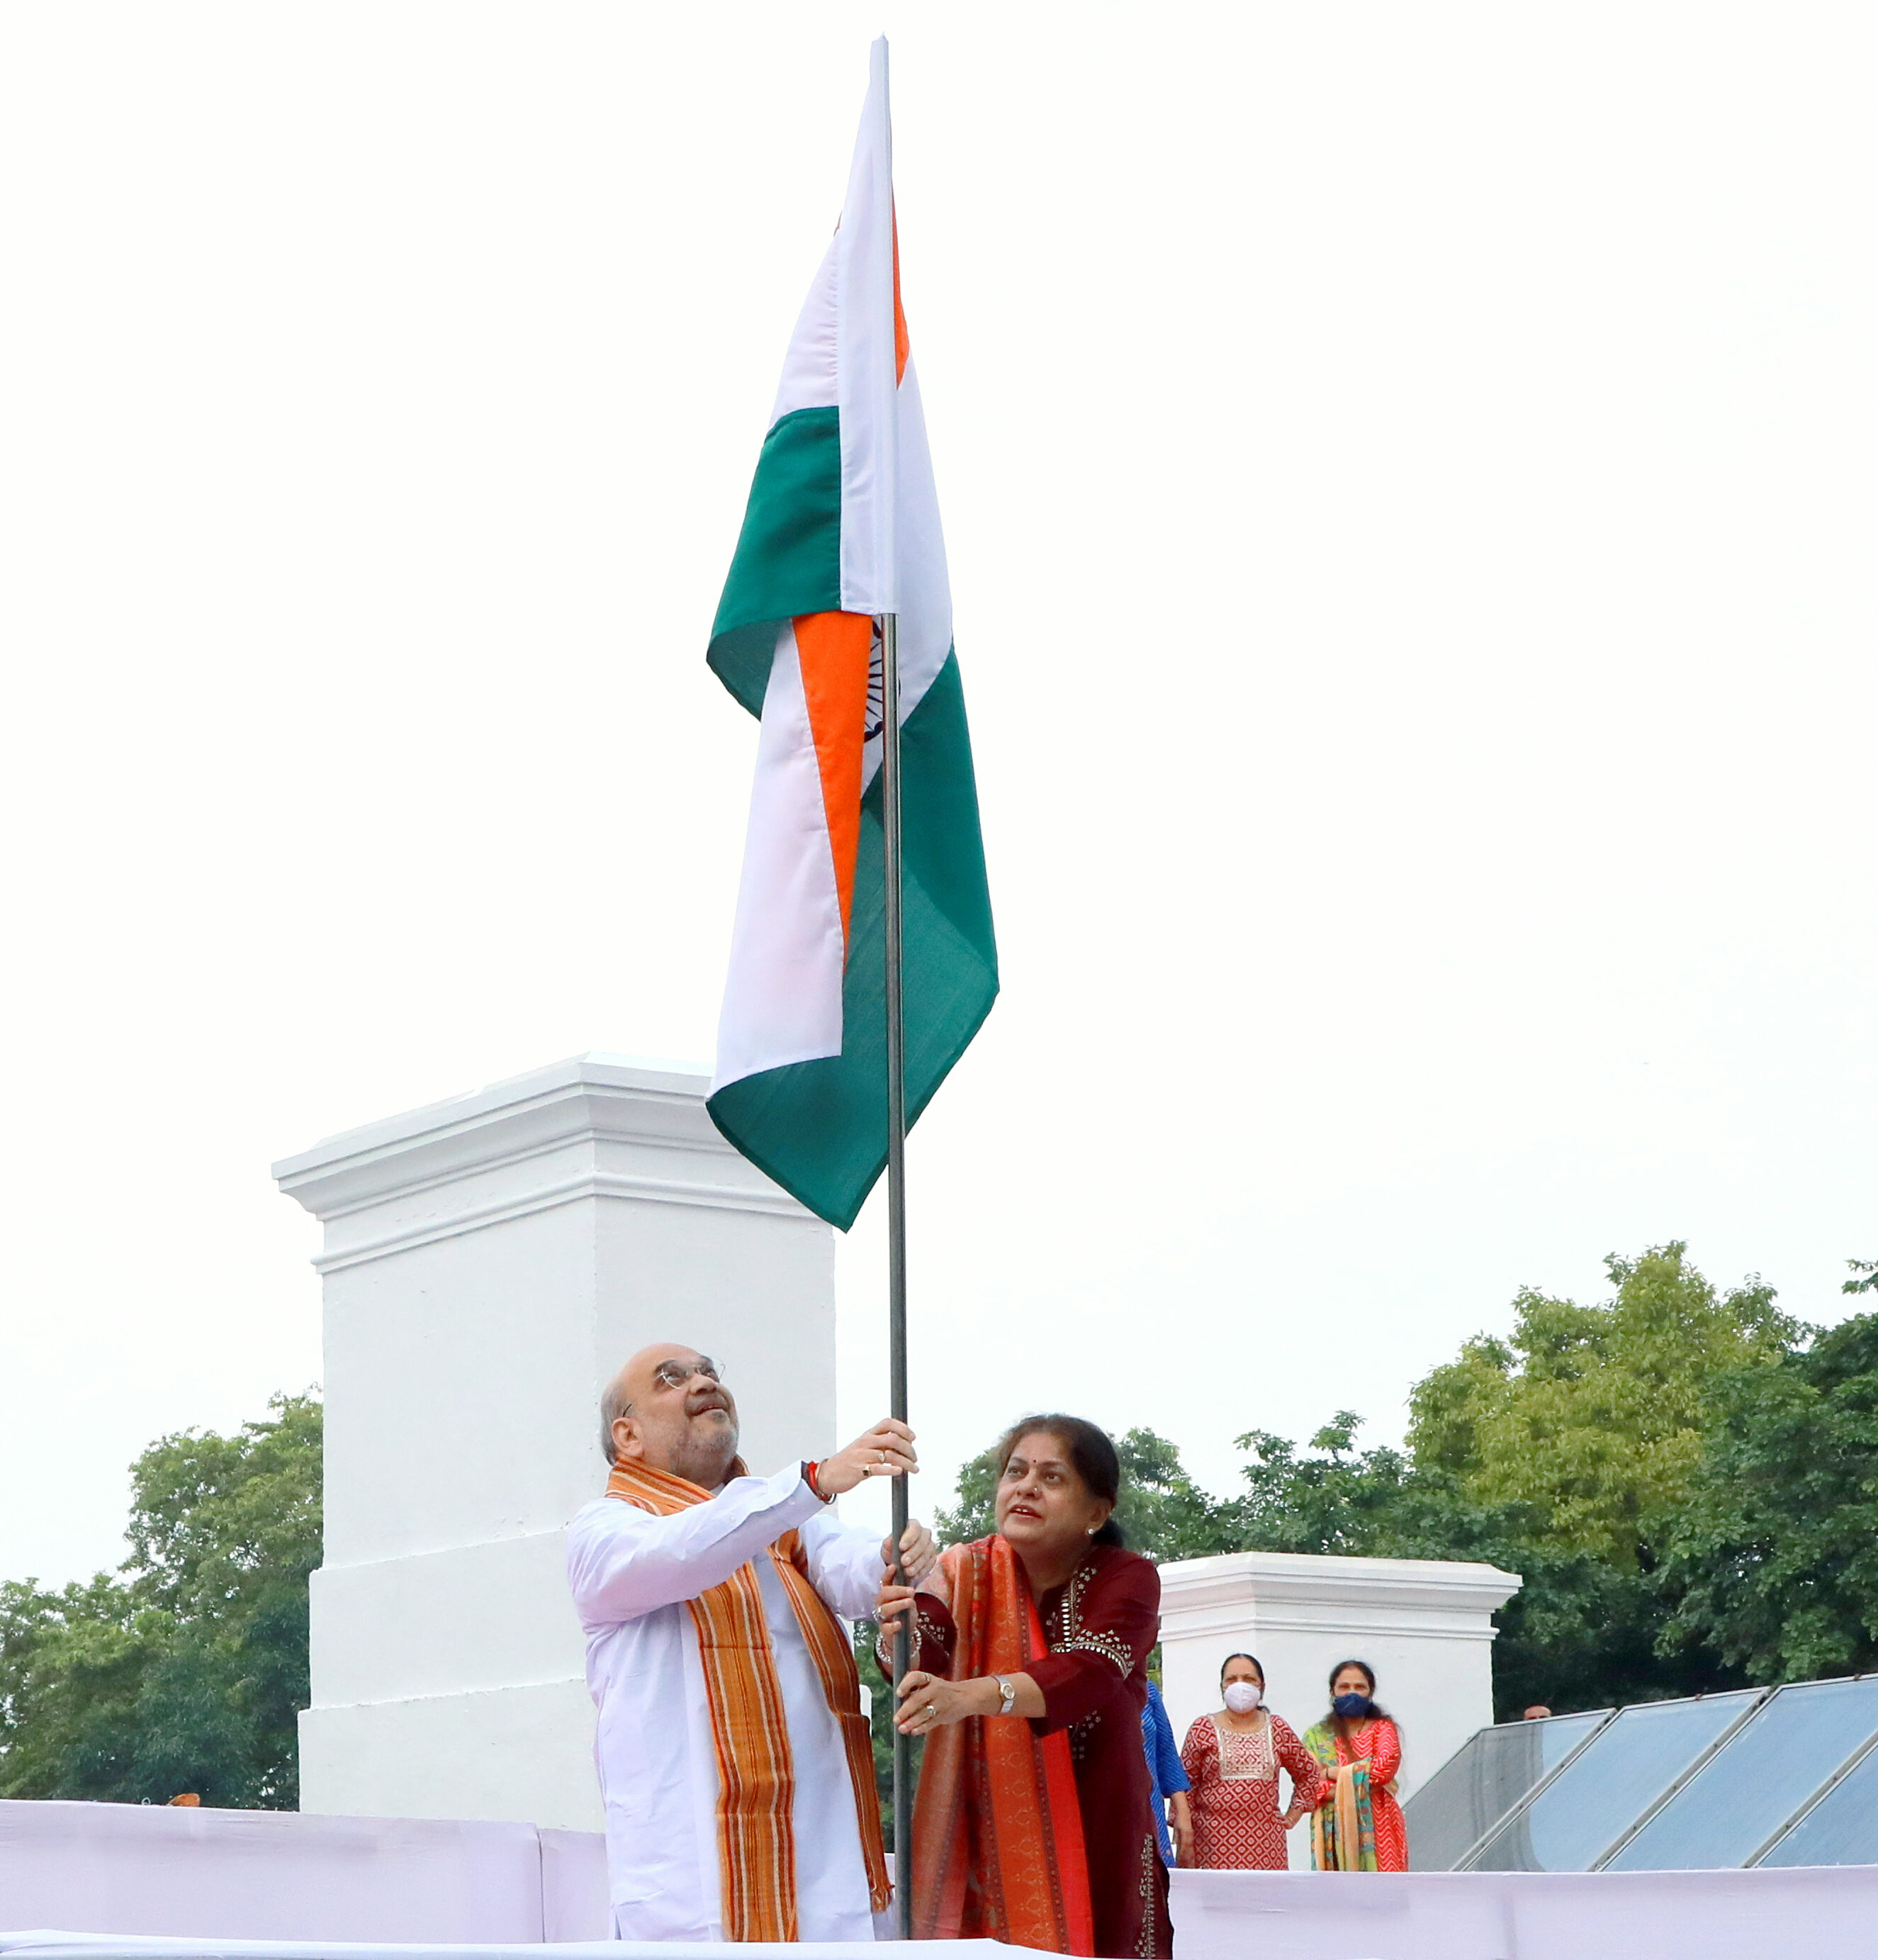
(623, 1562)
(845, 1566)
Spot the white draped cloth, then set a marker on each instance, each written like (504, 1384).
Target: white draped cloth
(631, 1573)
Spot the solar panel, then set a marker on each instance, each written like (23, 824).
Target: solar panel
(1478, 1785)
(1576, 1818)
(1841, 1828)
(1755, 1782)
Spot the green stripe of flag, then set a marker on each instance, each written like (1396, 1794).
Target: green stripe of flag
(789, 552)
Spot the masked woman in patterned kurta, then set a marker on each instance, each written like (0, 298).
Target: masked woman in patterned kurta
(1232, 1759)
(1033, 1823)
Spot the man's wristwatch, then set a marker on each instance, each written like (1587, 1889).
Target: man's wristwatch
(1008, 1690)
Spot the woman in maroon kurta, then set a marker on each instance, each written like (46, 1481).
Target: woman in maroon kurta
(1033, 1823)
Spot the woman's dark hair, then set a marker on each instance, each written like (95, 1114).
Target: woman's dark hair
(1232, 1657)
(1376, 1712)
(1091, 1454)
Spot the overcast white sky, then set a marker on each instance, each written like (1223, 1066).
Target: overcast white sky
(1409, 474)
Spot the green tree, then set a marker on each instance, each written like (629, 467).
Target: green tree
(1575, 1635)
(186, 1669)
(1592, 1417)
(1774, 1562)
(1580, 1438)
(1339, 1499)
(1869, 1284)
(970, 1517)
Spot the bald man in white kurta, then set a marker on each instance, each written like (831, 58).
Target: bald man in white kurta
(632, 1574)
(634, 1566)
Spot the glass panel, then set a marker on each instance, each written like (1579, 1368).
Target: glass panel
(1474, 1789)
(1841, 1829)
(1625, 1768)
(1731, 1806)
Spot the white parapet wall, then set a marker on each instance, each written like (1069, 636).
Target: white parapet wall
(1425, 1625)
(488, 1263)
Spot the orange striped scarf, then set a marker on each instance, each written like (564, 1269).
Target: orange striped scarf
(997, 1826)
(756, 1775)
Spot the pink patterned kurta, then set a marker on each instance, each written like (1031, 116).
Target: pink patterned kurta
(1236, 1822)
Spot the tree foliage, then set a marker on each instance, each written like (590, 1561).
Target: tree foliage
(1592, 1417)
(1774, 1563)
(185, 1669)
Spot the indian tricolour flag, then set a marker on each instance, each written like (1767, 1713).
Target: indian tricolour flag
(843, 526)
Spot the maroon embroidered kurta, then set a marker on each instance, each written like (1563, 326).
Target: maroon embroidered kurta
(1099, 1629)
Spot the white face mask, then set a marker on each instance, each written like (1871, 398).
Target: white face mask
(1242, 1696)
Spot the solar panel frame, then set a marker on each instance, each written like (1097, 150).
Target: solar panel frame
(1812, 1803)
(1608, 1715)
(1755, 1699)
(1688, 1776)
(1768, 1710)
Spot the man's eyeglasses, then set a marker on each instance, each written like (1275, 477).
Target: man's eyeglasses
(677, 1374)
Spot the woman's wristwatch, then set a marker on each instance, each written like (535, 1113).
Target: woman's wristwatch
(1008, 1688)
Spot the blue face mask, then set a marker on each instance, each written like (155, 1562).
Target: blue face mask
(1353, 1708)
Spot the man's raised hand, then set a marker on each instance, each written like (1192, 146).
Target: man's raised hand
(886, 1450)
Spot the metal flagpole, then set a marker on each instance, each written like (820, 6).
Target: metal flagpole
(896, 1234)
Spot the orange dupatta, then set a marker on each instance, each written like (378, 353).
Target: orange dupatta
(756, 1773)
(997, 1828)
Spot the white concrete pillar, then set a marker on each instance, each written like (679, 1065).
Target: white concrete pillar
(1425, 1625)
(488, 1262)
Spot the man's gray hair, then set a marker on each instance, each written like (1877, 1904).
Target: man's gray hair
(613, 1406)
